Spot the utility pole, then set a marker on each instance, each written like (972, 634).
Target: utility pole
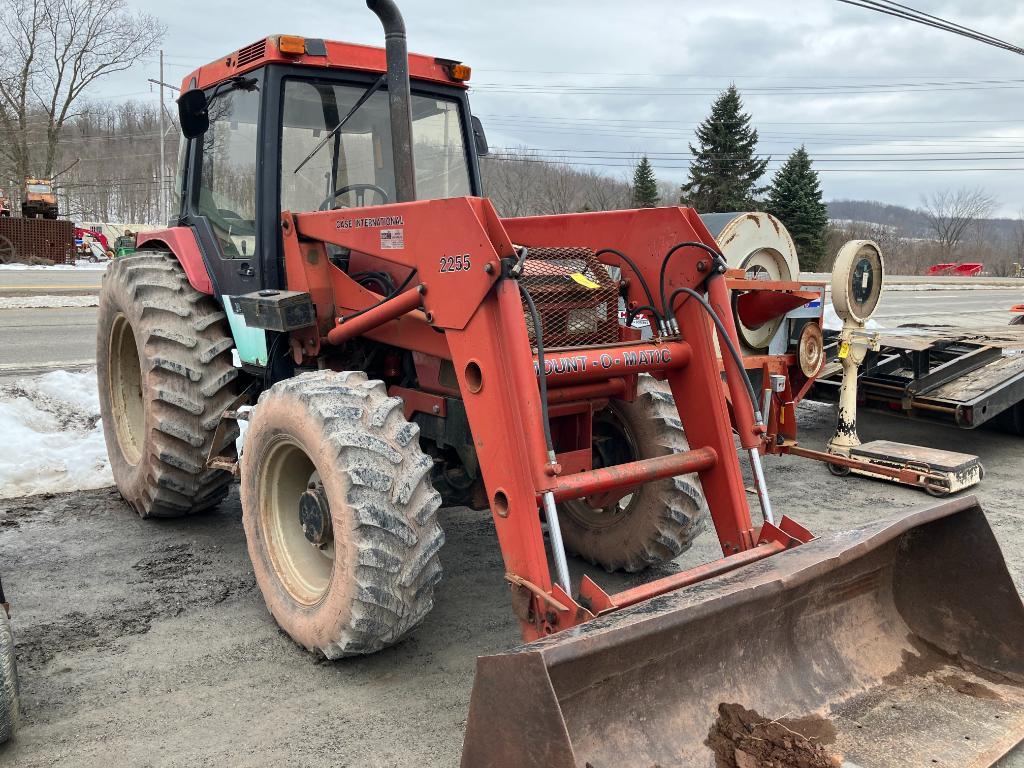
(163, 166)
(164, 183)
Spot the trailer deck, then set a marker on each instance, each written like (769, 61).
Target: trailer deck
(957, 376)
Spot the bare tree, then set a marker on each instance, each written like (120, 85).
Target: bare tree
(951, 213)
(54, 50)
(523, 183)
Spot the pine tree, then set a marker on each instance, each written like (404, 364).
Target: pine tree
(725, 168)
(795, 199)
(645, 186)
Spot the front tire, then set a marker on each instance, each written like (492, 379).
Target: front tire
(658, 521)
(339, 513)
(163, 365)
(9, 706)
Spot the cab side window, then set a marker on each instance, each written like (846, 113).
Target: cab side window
(227, 178)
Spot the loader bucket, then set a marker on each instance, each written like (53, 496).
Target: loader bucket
(900, 643)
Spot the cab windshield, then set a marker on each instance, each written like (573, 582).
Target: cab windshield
(356, 166)
(39, 189)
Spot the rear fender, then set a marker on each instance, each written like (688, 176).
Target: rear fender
(181, 241)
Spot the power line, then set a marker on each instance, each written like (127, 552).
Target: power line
(901, 11)
(864, 156)
(705, 92)
(580, 163)
(541, 123)
(696, 75)
(642, 121)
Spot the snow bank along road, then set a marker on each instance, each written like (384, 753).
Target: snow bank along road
(52, 435)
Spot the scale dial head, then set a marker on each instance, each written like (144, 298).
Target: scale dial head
(857, 279)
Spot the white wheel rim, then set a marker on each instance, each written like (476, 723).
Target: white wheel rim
(305, 570)
(125, 386)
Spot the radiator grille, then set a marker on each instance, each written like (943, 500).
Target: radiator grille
(575, 296)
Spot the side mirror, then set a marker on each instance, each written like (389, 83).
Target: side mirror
(479, 138)
(193, 113)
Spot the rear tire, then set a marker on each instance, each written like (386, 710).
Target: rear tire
(163, 354)
(10, 710)
(340, 438)
(654, 524)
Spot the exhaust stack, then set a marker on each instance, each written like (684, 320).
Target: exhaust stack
(399, 96)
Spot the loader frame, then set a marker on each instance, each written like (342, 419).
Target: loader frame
(459, 308)
(483, 333)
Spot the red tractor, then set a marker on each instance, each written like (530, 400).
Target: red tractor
(404, 345)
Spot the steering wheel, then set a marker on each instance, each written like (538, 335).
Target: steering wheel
(360, 190)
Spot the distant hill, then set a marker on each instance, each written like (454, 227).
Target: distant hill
(909, 222)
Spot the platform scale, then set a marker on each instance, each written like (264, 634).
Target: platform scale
(857, 280)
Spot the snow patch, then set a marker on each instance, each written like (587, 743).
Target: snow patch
(47, 302)
(53, 438)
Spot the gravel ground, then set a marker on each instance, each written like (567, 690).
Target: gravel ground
(148, 644)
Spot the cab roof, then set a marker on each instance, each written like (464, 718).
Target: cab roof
(321, 54)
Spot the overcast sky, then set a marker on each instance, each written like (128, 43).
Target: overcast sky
(601, 82)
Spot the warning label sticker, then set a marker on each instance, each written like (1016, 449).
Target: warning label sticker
(392, 239)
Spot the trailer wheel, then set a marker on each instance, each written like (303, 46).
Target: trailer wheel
(839, 470)
(9, 706)
(163, 354)
(659, 521)
(8, 253)
(339, 513)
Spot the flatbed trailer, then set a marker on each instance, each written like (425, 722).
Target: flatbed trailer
(956, 376)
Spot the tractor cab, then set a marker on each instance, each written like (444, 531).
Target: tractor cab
(296, 124)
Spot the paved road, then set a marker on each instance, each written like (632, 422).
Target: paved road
(49, 282)
(955, 307)
(52, 337)
(37, 340)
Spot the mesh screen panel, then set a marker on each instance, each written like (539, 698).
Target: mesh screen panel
(576, 298)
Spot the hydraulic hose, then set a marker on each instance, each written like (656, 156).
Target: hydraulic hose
(733, 352)
(719, 259)
(542, 376)
(643, 283)
(548, 498)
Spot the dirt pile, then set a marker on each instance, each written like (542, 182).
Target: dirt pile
(741, 738)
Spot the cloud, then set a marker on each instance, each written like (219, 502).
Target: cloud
(605, 81)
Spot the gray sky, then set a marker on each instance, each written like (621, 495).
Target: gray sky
(601, 82)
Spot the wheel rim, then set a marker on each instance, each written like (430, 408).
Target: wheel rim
(613, 443)
(7, 252)
(125, 387)
(304, 568)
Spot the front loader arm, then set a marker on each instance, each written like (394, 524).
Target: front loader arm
(464, 286)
